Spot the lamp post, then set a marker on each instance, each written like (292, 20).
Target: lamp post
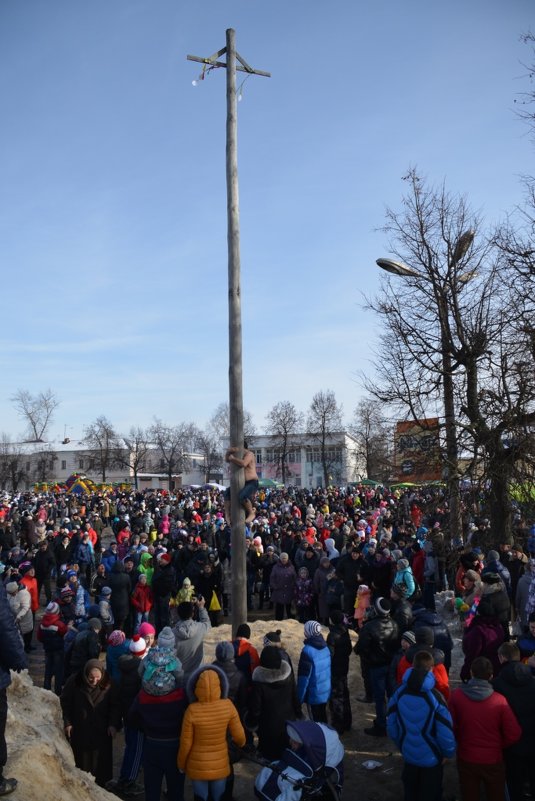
(440, 291)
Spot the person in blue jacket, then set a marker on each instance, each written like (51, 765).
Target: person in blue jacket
(314, 672)
(420, 724)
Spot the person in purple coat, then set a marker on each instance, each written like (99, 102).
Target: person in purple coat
(282, 582)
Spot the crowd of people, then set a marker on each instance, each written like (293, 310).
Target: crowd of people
(132, 582)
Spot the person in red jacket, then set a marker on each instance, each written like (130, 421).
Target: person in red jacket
(484, 724)
(141, 601)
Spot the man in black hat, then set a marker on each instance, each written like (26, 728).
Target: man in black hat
(377, 644)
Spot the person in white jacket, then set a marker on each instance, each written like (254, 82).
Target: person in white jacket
(20, 603)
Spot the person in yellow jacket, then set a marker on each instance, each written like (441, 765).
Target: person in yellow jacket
(203, 753)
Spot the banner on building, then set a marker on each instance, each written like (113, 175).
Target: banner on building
(417, 450)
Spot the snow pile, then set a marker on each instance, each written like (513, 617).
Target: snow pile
(39, 756)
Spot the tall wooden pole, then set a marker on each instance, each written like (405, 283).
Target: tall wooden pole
(238, 569)
(239, 577)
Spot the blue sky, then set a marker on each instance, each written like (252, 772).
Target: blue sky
(113, 201)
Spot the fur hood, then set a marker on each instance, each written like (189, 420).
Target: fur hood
(193, 681)
(271, 675)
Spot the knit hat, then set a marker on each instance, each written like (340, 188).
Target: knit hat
(164, 559)
(397, 554)
(146, 628)
(271, 657)
(382, 606)
(493, 556)
(12, 586)
(94, 623)
(224, 651)
(403, 563)
(166, 638)
(138, 646)
(105, 591)
(312, 629)
(71, 574)
(243, 630)
(272, 637)
(409, 637)
(425, 635)
(116, 637)
(372, 542)
(66, 592)
(52, 608)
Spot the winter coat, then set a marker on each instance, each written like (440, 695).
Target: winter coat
(44, 562)
(314, 672)
(517, 684)
(319, 584)
(203, 752)
(51, 632)
(90, 711)
(378, 641)
(419, 722)
(521, 598)
(158, 716)
(483, 637)
(119, 584)
(141, 599)
(86, 646)
(189, 637)
(497, 600)
(237, 685)
(339, 643)
(30, 583)
(442, 637)
(404, 581)
(483, 722)
(109, 558)
(501, 570)
(129, 682)
(282, 583)
(273, 701)
(164, 582)
(12, 656)
(21, 607)
(146, 566)
(440, 675)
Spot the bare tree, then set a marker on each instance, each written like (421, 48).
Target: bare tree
(323, 420)
(36, 410)
(208, 445)
(174, 444)
(283, 422)
(135, 454)
(103, 442)
(450, 341)
(219, 425)
(374, 437)
(44, 461)
(14, 464)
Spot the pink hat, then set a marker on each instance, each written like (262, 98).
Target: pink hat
(146, 628)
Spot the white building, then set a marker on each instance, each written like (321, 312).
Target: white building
(28, 463)
(304, 467)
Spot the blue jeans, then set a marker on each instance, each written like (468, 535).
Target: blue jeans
(216, 788)
(378, 678)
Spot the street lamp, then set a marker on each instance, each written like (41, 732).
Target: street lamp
(440, 291)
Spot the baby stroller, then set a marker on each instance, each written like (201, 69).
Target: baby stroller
(310, 770)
